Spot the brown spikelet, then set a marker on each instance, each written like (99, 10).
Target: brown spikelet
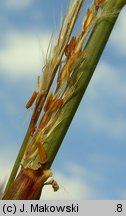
(44, 120)
(70, 47)
(64, 75)
(54, 184)
(99, 3)
(33, 130)
(31, 100)
(48, 102)
(56, 104)
(42, 152)
(87, 20)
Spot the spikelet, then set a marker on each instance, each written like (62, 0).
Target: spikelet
(99, 3)
(31, 100)
(42, 152)
(54, 184)
(70, 47)
(52, 103)
(64, 75)
(88, 19)
(48, 102)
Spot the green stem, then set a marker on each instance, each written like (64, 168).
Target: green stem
(17, 161)
(93, 52)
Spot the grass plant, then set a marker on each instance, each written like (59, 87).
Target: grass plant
(54, 110)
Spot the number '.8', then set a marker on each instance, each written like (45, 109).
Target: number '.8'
(119, 207)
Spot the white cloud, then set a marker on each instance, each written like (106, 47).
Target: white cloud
(70, 189)
(107, 90)
(100, 121)
(118, 37)
(72, 185)
(22, 54)
(4, 172)
(15, 4)
(109, 80)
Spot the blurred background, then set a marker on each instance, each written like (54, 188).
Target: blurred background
(91, 161)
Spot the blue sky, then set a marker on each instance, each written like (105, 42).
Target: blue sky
(91, 161)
